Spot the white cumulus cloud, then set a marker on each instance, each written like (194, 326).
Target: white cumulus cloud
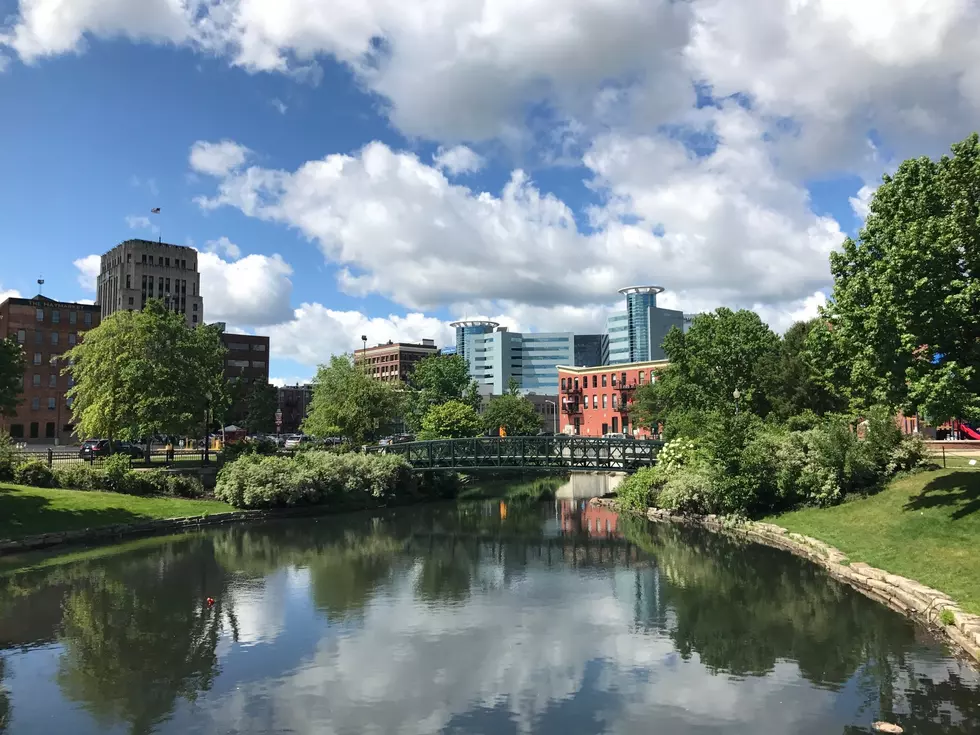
(253, 291)
(88, 271)
(223, 246)
(458, 160)
(217, 159)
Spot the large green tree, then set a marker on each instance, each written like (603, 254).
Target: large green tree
(723, 351)
(143, 373)
(11, 375)
(435, 380)
(450, 420)
(791, 375)
(903, 326)
(348, 402)
(263, 399)
(515, 413)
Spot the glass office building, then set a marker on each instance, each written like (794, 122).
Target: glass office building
(468, 329)
(637, 334)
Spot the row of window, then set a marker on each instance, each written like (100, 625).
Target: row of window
(39, 314)
(39, 337)
(605, 401)
(52, 403)
(52, 380)
(244, 363)
(572, 383)
(161, 260)
(17, 430)
(242, 346)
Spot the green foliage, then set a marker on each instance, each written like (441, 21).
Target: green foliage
(637, 492)
(115, 476)
(348, 402)
(688, 491)
(34, 472)
(7, 454)
(436, 380)
(312, 478)
(515, 413)
(904, 330)
(946, 617)
(263, 399)
(234, 450)
(791, 376)
(145, 373)
(80, 476)
(12, 363)
(115, 472)
(450, 420)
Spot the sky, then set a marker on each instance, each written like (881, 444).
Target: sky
(382, 168)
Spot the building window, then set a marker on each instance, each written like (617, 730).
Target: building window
(258, 348)
(52, 403)
(595, 400)
(36, 380)
(604, 397)
(183, 264)
(194, 319)
(37, 358)
(129, 281)
(168, 286)
(34, 427)
(129, 257)
(49, 430)
(72, 317)
(22, 335)
(166, 262)
(88, 318)
(143, 258)
(613, 381)
(151, 260)
(238, 363)
(130, 300)
(53, 380)
(39, 315)
(615, 424)
(56, 317)
(614, 400)
(16, 431)
(35, 404)
(195, 307)
(563, 383)
(258, 363)
(642, 376)
(604, 378)
(622, 378)
(72, 338)
(54, 338)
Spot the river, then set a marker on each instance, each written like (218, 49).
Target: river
(479, 617)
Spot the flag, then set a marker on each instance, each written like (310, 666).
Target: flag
(155, 210)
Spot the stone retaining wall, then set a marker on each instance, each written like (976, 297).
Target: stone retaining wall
(906, 596)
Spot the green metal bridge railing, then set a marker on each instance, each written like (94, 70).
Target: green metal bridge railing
(520, 452)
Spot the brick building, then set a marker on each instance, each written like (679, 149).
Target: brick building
(394, 361)
(247, 361)
(45, 329)
(137, 270)
(294, 400)
(596, 400)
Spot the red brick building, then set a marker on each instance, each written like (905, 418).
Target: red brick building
(596, 400)
(394, 361)
(45, 329)
(247, 361)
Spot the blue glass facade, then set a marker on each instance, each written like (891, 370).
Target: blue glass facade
(637, 334)
(468, 329)
(530, 359)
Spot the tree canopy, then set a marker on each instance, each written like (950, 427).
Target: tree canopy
(722, 352)
(11, 375)
(902, 323)
(435, 380)
(515, 413)
(263, 399)
(144, 373)
(349, 403)
(450, 420)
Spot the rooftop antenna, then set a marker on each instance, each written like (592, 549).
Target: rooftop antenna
(40, 286)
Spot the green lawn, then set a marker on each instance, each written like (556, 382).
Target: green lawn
(926, 527)
(25, 511)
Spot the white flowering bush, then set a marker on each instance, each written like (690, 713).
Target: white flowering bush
(677, 453)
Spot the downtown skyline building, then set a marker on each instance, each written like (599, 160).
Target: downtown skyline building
(637, 334)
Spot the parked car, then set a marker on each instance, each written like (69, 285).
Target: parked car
(100, 448)
(295, 440)
(616, 435)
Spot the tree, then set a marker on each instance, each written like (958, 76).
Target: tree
(350, 403)
(791, 376)
(263, 399)
(515, 413)
(144, 373)
(435, 380)
(11, 376)
(903, 326)
(723, 351)
(450, 420)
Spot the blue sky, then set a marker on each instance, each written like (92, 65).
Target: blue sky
(359, 171)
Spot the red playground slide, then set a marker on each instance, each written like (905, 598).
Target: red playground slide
(968, 431)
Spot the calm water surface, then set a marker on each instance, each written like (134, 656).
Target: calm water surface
(473, 618)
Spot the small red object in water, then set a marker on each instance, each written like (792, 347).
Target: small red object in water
(210, 601)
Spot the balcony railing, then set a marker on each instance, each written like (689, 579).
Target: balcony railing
(571, 407)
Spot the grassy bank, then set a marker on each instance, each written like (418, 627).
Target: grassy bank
(25, 511)
(925, 526)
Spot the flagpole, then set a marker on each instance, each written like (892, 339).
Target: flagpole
(156, 210)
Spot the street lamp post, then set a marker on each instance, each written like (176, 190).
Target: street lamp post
(364, 349)
(207, 428)
(736, 394)
(554, 415)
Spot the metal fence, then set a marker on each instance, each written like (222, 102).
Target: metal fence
(155, 458)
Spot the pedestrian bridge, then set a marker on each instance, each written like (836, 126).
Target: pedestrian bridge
(570, 453)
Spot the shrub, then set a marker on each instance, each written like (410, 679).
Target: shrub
(688, 491)
(911, 452)
(639, 490)
(313, 477)
(78, 477)
(6, 457)
(34, 472)
(115, 469)
(235, 450)
(184, 486)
